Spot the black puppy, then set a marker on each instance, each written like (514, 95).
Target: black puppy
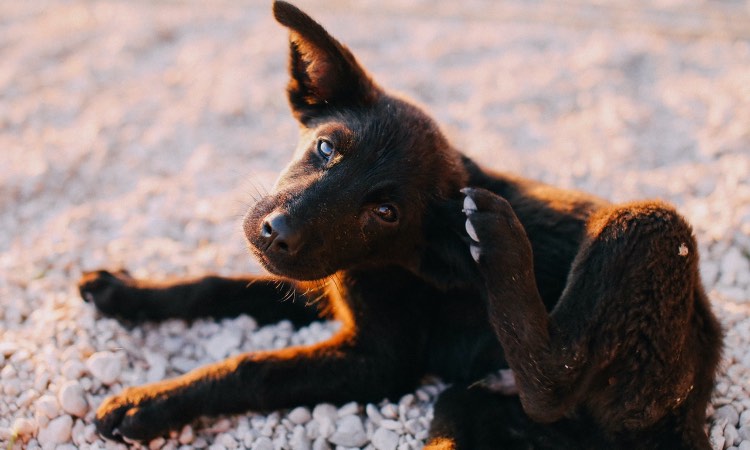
(441, 267)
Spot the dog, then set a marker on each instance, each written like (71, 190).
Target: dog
(441, 267)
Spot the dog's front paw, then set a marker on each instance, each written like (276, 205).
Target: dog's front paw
(137, 414)
(109, 292)
(497, 236)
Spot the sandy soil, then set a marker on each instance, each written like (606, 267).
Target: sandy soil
(134, 134)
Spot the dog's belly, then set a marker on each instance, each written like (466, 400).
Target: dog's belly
(462, 346)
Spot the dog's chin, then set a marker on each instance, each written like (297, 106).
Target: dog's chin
(295, 269)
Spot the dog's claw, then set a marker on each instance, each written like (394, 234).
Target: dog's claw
(469, 206)
(475, 252)
(471, 231)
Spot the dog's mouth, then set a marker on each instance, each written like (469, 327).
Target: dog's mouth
(281, 258)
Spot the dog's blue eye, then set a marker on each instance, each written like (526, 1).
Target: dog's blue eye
(325, 149)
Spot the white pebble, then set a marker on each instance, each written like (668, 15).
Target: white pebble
(349, 432)
(57, 431)
(744, 445)
(729, 413)
(394, 425)
(66, 447)
(321, 444)
(300, 415)
(299, 440)
(23, 427)
(384, 439)
(373, 414)
(731, 435)
(47, 406)
(73, 369)
(12, 388)
(105, 366)
(227, 440)
(73, 399)
(186, 435)
(325, 411)
(156, 443)
(262, 443)
(221, 344)
(389, 411)
(745, 418)
(348, 409)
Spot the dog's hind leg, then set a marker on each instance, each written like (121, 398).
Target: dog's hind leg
(474, 418)
(267, 300)
(632, 343)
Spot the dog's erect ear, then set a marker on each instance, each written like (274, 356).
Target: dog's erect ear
(324, 73)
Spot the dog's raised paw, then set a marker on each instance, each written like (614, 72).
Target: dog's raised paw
(492, 227)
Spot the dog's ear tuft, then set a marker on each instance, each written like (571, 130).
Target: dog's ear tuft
(323, 73)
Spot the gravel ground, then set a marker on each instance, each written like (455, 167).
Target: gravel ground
(134, 134)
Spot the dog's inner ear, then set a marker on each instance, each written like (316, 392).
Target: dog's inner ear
(324, 73)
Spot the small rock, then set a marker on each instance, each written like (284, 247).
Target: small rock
(299, 440)
(350, 432)
(745, 418)
(226, 440)
(156, 443)
(744, 433)
(221, 344)
(373, 414)
(157, 366)
(105, 366)
(73, 399)
(731, 435)
(320, 444)
(7, 348)
(744, 445)
(186, 435)
(300, 415)
(392, 425)
(12, 388)
(47, 406)
(325, 411)
(262, 443)
(73, 369)
(57, 431)
(384, 439)
(729, 413)
(23, 427)
(348, 409)
(406, 400)
(389, 411)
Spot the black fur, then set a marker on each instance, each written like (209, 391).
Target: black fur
(597, 308)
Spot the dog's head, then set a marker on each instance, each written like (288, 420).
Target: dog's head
(366, 167)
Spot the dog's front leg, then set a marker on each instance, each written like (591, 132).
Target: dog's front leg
(503, 253)
(338, 370)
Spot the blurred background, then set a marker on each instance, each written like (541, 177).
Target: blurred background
(136, 133)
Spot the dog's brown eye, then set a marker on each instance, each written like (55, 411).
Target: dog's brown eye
(325, 149)
(386, 212)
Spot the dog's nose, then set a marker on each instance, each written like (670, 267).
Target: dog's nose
(279, 234)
